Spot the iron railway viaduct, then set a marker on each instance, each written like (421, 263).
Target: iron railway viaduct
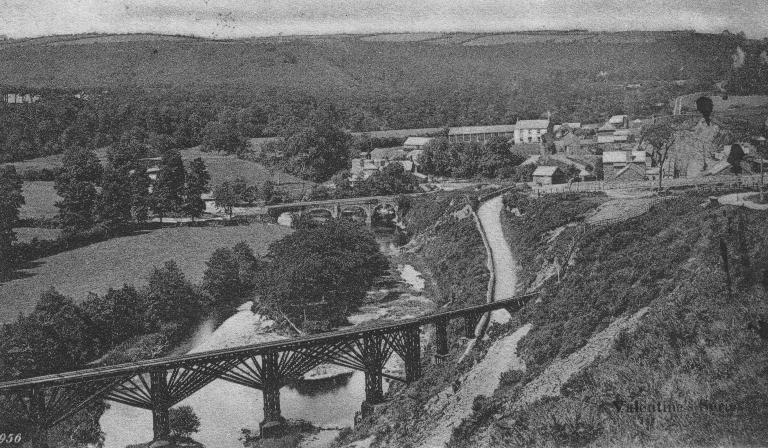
(158, 384)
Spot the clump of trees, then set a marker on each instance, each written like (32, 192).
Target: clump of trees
(116, 198)
(321, 272)
(466, 160)
(228, 194)
(314, 150)
(391, 180)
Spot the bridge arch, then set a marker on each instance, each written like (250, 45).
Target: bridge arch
(384, 213)
(320, 213)
(356, 213)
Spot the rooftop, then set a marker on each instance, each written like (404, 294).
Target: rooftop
(532, 124)
(481, 129)
(388, 153)
(417, 141)
(545, 171)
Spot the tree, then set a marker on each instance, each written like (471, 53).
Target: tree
(183, 421)
(248, 265)
(496, 156)
(55, 337)
(661, 137)
(225, 197)
(113, 207)
(316, 151)
(11, 200)
(197, 179)
(171, 298)
(76, 184)
(524, 173)
(168, 191)
(222, 278)
(116, 316)
(246, 194)
(268, 191)
(218, 136)
(139, 182)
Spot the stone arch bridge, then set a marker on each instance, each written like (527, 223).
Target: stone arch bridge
(337, 207)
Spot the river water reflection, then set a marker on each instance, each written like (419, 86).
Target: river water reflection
(225, 408)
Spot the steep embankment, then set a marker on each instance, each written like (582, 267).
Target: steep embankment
(639, 341)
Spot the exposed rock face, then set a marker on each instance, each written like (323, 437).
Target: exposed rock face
(698, 150)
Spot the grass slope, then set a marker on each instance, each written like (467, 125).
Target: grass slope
(130, 259)
(39, 200)
(224, 167)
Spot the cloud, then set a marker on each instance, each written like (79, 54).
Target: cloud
(236, 18)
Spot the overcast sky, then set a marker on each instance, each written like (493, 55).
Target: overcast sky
(237, 18)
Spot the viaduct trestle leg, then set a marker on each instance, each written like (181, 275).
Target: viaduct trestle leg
(268, 373)
(441, 340)
(271, 384)
(160, 405)
(407, 344)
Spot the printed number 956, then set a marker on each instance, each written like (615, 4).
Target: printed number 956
(10, 438)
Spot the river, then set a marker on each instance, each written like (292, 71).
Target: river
(225, 408)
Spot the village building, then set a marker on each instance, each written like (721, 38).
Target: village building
(371, 162)
(416, 143)
(480, 134)
(388, 154)
(548, 175)
(624, 165)
(20, 98)
(570, 144)
(529, 131)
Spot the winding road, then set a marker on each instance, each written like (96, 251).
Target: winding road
(505, 266)
(451, 406)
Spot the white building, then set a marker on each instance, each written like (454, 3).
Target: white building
(529, 131)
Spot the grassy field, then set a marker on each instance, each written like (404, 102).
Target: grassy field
(223, 167)
(51, 162)
(26, 234)
(40, 200)
(127, 260)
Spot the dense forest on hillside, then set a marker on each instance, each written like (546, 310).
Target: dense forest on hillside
(172, 89)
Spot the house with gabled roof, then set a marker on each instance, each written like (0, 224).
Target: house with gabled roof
(624, 165)
(529, 131)
(548, 175)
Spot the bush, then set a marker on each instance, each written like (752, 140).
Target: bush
(183, 421)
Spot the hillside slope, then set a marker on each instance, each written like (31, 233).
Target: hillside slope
(340, 65)
(637, 341)
(640, 342)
